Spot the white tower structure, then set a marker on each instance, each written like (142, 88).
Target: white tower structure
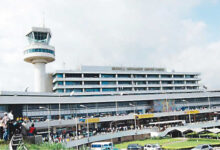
(39, 53)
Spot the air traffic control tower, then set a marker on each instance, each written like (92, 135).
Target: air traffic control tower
(39, 53)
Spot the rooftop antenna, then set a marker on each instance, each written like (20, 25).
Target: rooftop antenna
(64, 65)
(43, 23)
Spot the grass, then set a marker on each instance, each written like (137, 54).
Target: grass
(191, 143)
(4, 145)
(46, 146)
(171, 143)
(161, 141)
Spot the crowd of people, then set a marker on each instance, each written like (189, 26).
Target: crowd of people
(10, 126)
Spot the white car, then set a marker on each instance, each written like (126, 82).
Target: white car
(203, 147)
(152, 147)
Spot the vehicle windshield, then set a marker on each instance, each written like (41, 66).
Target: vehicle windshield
(199, 146)
(96, 145)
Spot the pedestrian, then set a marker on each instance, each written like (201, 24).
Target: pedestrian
(32, 130)
(5, 120)
(11, 127)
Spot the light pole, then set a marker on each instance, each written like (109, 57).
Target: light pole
(48, 120)
(188, 109)
(135, 124)
(87, 119)
(112, 130)
(163, 91)
(205, 88)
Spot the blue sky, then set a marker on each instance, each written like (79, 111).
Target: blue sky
(179, 35)
(208, 12)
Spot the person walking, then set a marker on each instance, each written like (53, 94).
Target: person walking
(5, 120)
(11, 127)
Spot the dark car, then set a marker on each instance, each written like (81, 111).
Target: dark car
(134, 147)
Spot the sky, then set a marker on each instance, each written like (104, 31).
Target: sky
(179, 35)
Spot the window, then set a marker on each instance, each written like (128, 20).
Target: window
(154, 88)
(59, 91)
(91, 75)
(153, 75)
(189, 76)
(166, 76)
(124, 82)
(179, 88)
(73, 83)
(139, 82)
(153, 82)
(125, 89)
(108, 75)
(93, 90)
(140, 89)
(91, 82)
(190, 82)
(39, 50)
(166, 82)
(59, 82)
(124, 75)
(108, 82)
(75, 90)
(139, 75)
(73, 75)
(167, 88)
(108, 89)
(59, 75)
(40, 35)
(178, 82)
(178, 76)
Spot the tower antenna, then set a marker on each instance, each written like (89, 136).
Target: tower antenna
(43, 23)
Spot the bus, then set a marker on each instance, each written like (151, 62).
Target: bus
(102, 146)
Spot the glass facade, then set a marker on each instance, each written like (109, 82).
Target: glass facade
(39, 50)
(59, 75)
(92, 90)
(73, 83)
(75, 90)
(109, 89)
(94, 82)
(108, 82)
(108, 75)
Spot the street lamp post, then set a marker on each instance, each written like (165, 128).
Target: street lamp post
(87, 119)
(163, 91)
(48, 120)
(135, 124)
(112, 130)
(188, 109)
(205, 88)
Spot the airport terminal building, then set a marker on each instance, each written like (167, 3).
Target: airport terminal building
(100, 92)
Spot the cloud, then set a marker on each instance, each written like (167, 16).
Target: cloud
(125, 32)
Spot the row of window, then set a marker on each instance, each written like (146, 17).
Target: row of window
(78, 75)
(122, 89)
(40, 50)
(120, 82)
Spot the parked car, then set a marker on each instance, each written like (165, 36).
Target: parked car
(152, 147)
(203, 147)
(134, 147)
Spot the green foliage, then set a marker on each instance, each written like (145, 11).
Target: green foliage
(46, 146)
(171, 143)
(190, 143)
(160, 141)
(4, 145)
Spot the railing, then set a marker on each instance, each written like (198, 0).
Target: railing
(71, 122)
(109, 136)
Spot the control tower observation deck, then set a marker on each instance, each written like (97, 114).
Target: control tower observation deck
(39, 53)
